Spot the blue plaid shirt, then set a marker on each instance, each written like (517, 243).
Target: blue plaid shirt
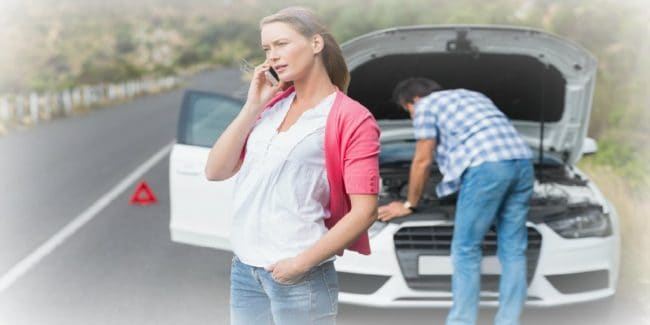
(469, 130)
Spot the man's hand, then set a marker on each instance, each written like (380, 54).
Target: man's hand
(288, 271)
(395, 209)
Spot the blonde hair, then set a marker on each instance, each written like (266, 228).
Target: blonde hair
(308, 24)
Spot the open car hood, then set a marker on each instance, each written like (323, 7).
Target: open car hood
(534, 77)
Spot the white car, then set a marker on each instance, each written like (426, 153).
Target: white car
(542, 82)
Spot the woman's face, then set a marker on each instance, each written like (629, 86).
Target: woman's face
(290, 53)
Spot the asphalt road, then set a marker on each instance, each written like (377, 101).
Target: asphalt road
(121, 267)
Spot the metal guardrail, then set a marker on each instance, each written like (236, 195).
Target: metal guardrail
(28, 109)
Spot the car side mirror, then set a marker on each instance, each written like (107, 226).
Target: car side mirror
(589, 147)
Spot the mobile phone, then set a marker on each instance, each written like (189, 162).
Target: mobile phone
(272, 77)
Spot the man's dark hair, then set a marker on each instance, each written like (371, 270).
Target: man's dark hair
(406, 90)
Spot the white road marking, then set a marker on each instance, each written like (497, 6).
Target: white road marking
(46, 248)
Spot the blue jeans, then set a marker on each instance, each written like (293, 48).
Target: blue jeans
(492, 193)
(257, 299)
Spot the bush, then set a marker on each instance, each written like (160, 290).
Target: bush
(625, 159)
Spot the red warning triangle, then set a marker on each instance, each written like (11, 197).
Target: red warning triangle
(143, 190)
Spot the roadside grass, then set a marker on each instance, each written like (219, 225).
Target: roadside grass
(631, 199)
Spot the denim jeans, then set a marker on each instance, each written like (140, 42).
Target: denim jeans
(493, 193)
(257, 299)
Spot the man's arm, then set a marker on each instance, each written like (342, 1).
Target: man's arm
(418, 176)
(420, 166)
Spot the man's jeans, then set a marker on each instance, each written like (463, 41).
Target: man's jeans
(493, 193)
(257, 299)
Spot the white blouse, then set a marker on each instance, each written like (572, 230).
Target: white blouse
(281, 193)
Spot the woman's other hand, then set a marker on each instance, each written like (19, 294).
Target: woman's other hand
(288, 271)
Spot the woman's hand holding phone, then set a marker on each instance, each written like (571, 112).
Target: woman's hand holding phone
(263, 87)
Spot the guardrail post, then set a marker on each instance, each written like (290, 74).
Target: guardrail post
(85, 96)
(111, 92)
(76, 97)
(66, 97)
(20, 108)
(47, 107)
(58, 103)
(5, 114)
(33, 107)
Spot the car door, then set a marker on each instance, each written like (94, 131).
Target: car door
(200, 209)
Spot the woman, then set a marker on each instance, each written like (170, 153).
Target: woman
(306, 159)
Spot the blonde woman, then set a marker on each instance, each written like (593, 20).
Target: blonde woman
(305, 156)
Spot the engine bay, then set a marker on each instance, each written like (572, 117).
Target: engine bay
(550, 195)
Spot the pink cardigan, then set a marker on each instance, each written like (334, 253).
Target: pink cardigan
(351, 157)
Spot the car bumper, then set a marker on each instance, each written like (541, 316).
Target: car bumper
(567, 271)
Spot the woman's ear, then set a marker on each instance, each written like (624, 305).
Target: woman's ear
(317, 43)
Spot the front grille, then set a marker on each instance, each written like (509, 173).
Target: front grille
(413, 242)
(436, 240)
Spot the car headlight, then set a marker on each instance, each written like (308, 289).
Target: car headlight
(581, 222)
(376, 227)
